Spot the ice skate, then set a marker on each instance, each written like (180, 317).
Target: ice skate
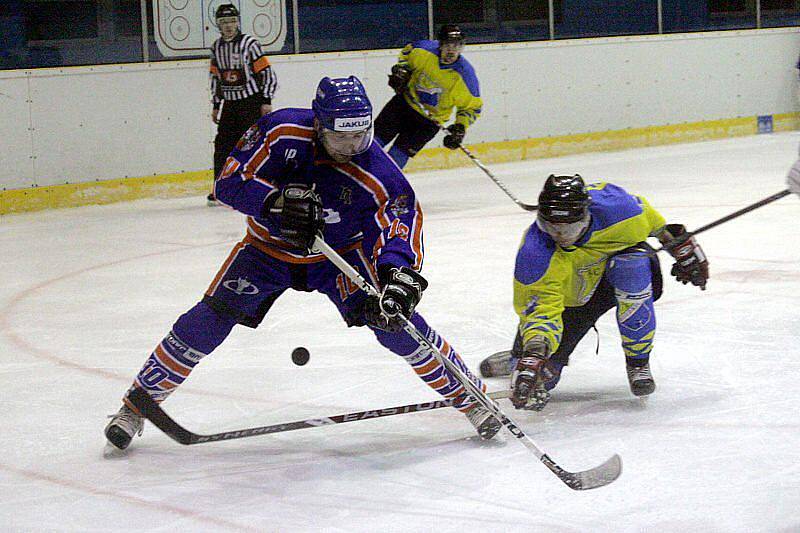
(640, 378)
(123, 427)
(485, 424)
(497, 365)
(211, 200)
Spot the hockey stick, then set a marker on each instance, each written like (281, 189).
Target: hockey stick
(523, 205)
(155, 414)
(586, 479)
(726, 218)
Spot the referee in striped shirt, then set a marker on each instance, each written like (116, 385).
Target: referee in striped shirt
(242, 77)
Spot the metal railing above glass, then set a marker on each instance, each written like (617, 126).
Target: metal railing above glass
(56, 33)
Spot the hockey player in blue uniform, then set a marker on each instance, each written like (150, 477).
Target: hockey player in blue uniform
(585, 254)
(294, 173)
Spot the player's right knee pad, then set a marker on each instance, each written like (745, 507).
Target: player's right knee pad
(202, 328)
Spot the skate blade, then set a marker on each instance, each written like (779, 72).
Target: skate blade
(112, 452)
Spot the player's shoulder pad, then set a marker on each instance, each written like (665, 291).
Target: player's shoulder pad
(289, 116)
(612, 204)
(380, 164)
(533, 256)
(427, 45)
(467, 73)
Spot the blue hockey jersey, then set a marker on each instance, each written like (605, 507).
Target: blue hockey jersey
(367, 201)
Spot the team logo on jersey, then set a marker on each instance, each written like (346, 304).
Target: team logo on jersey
(399, 205)
(346, 195)
(240, 286)
(331, 216)
(428, 91)
(249, 139)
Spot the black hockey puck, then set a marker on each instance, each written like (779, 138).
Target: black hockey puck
(300, 356)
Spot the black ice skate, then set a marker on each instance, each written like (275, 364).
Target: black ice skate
(640, 378)
(123, 426)
(211, 200)
(485, 424)
(497, 365)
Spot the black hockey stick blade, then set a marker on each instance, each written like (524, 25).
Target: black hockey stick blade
(155, 414)
(596, 477)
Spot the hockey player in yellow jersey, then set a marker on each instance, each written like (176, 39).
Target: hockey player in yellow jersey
(430, 79)
(586, 254)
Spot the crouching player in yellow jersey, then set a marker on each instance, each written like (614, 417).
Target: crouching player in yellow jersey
(430, 79)
(585, 254)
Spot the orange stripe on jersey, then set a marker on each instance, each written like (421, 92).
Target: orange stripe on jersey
(224, 268)
(170, 363)
(214, 70)
(373, 274)
(381, 196)
(260, 64)
(370, 183)
(288, 257)
(416, 240)
(273, 136)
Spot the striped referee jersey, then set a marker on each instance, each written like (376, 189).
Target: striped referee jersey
(240, 69)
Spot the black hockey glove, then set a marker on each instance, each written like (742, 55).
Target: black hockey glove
(398, 79)
(691, 265)
(530, 375)
(455, 136)
(298, 211)
(402, 290)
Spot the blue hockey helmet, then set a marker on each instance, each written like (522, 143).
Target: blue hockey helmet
(344, 117)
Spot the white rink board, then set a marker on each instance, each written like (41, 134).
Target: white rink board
(106, 122)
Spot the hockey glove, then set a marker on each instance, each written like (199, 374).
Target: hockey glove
(298, 212)
(529, 377)
(793, 178)
(455, 136)
(402, 290)
(398, 79)
(691, 265)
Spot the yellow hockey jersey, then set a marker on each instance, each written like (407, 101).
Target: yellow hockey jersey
(435, 89)
(549, 278)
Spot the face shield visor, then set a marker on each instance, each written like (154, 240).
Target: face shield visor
(564, 233)
(346, 137)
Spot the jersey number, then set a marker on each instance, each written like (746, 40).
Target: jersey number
(345, 286)
(398, 229)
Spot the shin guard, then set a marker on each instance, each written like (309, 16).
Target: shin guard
(631, 278)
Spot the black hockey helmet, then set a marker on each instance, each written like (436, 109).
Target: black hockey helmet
(564, 199)
(226, 10)
(450, 33)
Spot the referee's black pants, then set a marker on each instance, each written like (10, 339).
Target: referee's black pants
(237, 117)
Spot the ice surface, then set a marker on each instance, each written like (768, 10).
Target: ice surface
(88, 292)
